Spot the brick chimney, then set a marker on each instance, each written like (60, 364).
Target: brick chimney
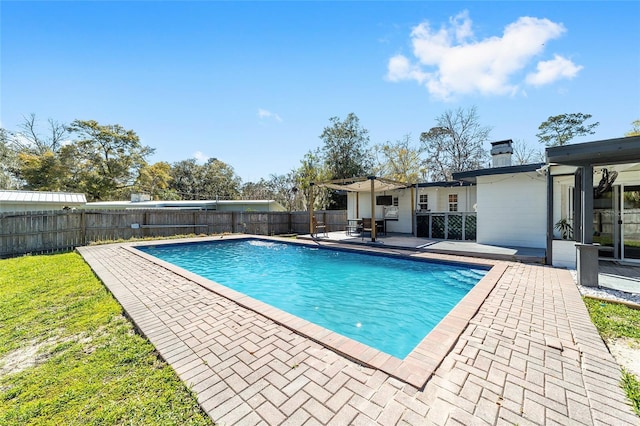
(501, 152)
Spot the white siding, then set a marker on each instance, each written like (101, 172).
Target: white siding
(404, 224)
(359, 206)
(512, 210)
(439, 198)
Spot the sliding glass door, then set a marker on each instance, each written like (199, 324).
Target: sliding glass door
(605, 222)
(630, 222)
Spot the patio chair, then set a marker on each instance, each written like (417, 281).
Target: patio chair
(319, 227)
(366, 226)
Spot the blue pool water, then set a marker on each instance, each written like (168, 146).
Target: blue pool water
(387, 303)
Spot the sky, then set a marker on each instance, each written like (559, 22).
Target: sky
(254, 84)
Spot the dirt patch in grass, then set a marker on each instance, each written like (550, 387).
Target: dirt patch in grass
(33, 353)
(626, 351)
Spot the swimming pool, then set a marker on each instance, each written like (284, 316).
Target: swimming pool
(387, 303)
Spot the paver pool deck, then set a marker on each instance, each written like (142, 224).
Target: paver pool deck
(528, 355)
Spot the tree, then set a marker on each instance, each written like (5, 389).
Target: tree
(455, 144)
(107, 159)
(345, 152)
(635, 131)
(345, 148)
(36, 159)
(154, 179)
(8, 162)
(186, 176)
(401, 161)
(29, 139)
(285, 190)
(43, 172)
(260, 190)
(524, 154)
(220, 181)
(558, 130)
(212, 180)
(310, 172)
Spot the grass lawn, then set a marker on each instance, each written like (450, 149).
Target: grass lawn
(68, 356)
(617, 321)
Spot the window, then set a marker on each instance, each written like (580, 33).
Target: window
(423, 202)
(453, 202)
(395, 201)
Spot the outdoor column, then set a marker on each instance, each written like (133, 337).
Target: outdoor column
(311, 209)
(587, 204)
(549, 254)
(373, 208)
(587, 255)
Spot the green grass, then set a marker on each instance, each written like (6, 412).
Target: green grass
(92, 367)
(614, 320)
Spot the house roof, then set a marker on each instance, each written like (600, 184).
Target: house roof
(41, 197)
(608, 151)
(471, 175)
(444, 184)
(187, 204)
(363, 184)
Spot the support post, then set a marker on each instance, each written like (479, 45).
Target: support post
(311, 209)
(587, 255)
(587, 204)
(373, 208)
(549, 253)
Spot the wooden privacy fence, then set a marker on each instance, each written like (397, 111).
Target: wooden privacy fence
(51, 231)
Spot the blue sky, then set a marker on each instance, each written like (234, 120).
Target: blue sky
(254, 84)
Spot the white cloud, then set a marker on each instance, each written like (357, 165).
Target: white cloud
(200, 157)
(450, 61)
(263, 113)
(550, 71)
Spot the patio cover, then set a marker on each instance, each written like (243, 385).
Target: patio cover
(363, 184)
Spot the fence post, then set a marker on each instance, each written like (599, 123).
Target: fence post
(83, 228)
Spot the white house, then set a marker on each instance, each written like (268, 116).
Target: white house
(511, 206)
(594, 187)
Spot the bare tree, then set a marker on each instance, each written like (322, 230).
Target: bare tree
(455, 144)
(524, 154)
(29, 140)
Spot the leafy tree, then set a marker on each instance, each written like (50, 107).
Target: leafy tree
(261, 190)
(345, 148)
(8, 162)
(311, 171)
(42, 172)
(154, 179)
(214, 179)
(345, 152)
(401, 161)
(107, 159)
(455, 144)
(285, 191)
(35, 157)
(220, 181)
(186, 176)
(635, 131)
(558, 130)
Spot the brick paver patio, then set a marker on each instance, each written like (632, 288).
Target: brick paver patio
(529, 356)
